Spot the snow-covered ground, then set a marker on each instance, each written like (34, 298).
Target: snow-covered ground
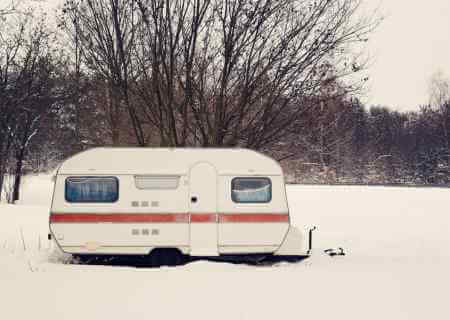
(397, 266)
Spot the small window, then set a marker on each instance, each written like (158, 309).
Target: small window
(92, 189)
(251, 190)
(156, 182)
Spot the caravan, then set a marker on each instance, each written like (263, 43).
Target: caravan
(165, 202)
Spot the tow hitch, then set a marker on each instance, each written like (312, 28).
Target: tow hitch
(310, 231)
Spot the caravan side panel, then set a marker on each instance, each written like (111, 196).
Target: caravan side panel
(252, 227)
(137, 222)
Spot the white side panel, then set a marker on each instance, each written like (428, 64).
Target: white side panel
(121, 237)
(278, 204)
(203, 239)
(294, 244)
(119, 234)
(246, 249)
(213, 195)
(148, 201)
(203, 201)
(252, 234)
(241, 234)
(114, 238)
(122, 250)
(143, 250)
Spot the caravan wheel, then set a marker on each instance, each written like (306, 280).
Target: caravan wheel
(165, 257)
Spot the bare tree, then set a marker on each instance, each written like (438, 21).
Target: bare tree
(217, 72)
(26, 93)
(36, 86)
(439, 91)
(11, 44)
(232, 72)
(169, 46)
(103, 33)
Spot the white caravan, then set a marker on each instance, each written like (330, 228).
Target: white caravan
(165, 201)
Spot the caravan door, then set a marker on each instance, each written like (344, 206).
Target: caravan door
(203, 209)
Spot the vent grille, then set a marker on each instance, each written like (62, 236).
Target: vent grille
(155, 203)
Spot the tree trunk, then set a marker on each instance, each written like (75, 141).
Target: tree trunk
(18, 174)
(2, 174)
(1, 184)
(3, 166)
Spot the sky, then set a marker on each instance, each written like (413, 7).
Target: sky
(411, 44)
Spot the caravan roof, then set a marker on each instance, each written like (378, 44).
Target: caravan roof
(175, 161)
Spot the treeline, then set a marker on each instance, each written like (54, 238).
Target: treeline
(374, 146)
(280, 77)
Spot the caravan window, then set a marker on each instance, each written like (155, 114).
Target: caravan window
(156, 182)
(251, 190)
(92, 189)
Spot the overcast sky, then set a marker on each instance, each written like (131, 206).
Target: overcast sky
(412, 42)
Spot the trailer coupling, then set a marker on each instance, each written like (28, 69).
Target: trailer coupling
(310, 231)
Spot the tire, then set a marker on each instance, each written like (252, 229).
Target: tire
(178, 259)
(166, 257)
(154, 259)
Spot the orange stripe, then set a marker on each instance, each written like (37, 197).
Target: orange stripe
(118, 217)
(167, 217)
(203, 217)
(254, 217)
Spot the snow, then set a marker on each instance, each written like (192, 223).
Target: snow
(396, 266)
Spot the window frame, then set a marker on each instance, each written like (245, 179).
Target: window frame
(251, 178)
(92, 177)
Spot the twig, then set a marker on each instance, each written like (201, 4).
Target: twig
(23, 240)
(29, 265)
(39, 243)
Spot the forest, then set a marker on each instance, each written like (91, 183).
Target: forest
(286, 78)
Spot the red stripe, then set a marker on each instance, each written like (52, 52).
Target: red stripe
(118, 217)
(254, 217)
(167, 217)
(203, 217)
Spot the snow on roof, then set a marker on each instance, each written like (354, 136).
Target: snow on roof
(176, 161)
